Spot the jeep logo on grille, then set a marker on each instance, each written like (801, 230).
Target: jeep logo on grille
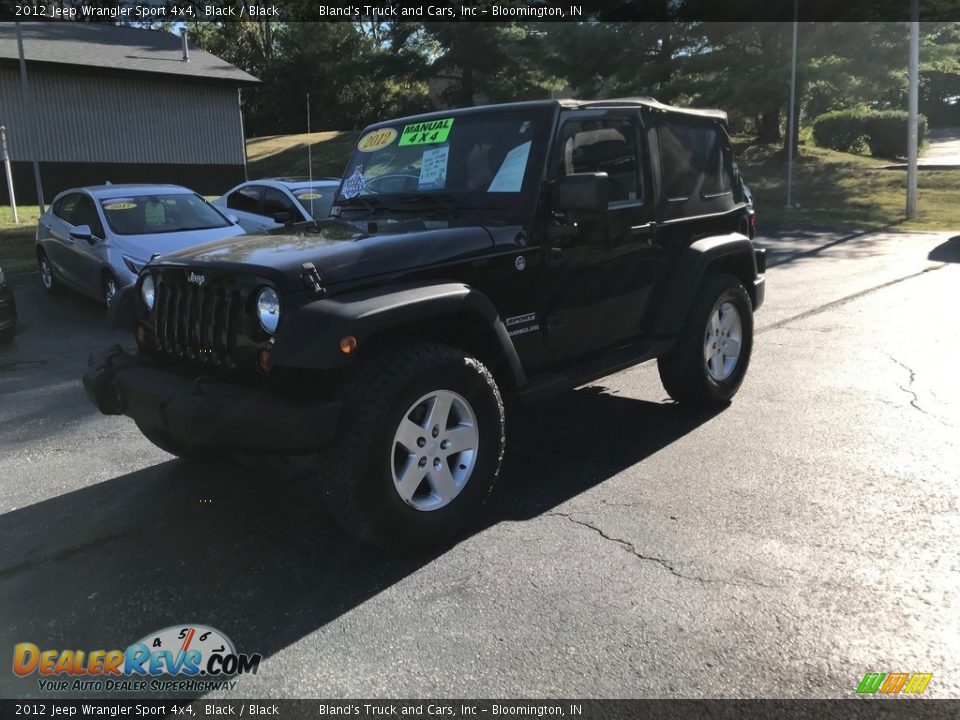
(196, 278)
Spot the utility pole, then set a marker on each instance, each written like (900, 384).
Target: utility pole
(792, 118)
(31, 118)
(6, 168)
(912, 107)
(309, 144)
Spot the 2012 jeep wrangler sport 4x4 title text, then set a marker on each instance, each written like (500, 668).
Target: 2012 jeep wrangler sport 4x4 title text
(509, 251)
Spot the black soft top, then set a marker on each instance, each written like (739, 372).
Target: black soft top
(565, 104)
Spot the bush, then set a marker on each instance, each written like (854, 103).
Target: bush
(884, 132)
(887, 132)
(843, 130)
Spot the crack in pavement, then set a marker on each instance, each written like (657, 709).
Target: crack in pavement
(844, 300)
(662, 562)
(915, 399)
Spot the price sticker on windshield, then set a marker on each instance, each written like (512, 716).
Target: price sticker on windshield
(426, 133)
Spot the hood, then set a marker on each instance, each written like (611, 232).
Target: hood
(342, 250)
(144, 246)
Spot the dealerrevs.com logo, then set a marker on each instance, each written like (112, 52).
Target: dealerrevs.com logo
(181, 658)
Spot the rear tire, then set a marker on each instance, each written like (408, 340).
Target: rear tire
(419, 447)
(7, 335)
(709, 361)
(47, 277)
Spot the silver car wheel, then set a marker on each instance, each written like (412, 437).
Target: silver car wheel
(46, 273)
(722, 341)
(434, 450)
(109, 290)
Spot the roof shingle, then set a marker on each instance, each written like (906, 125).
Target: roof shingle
(115, 48)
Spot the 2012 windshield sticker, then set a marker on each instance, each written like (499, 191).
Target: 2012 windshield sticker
(426, 133)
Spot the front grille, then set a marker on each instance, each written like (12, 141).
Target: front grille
(198, 322)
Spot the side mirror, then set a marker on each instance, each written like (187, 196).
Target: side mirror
(282, 218)
(233, 218)
(82, 232)
(583, 192)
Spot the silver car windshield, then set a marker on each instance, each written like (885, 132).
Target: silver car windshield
(151, 214)
(316, 200)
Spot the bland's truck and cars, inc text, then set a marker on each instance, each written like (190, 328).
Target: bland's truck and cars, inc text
(476, 258)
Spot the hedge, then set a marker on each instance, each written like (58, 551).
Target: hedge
(883, 132)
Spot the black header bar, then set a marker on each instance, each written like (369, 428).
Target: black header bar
(480, 10)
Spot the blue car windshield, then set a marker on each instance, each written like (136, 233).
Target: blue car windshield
(470, 155)
(150, 214)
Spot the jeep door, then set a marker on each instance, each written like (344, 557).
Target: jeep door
(599, 279)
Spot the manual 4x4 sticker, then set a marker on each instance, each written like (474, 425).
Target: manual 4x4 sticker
(426, 133)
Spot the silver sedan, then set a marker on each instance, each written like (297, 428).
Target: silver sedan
(96, 239)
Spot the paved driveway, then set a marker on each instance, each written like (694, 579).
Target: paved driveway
(782, 547)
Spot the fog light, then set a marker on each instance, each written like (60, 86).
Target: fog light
(141, 335)
(348, 344)
(263, 360)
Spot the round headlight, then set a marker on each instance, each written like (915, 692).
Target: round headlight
(148, 291)
(268, 309)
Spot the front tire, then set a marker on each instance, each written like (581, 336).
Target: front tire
(109, 287)
(419, 448)
(47, 277)
(709, 361)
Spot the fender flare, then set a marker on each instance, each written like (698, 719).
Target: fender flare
(677, 293)
(310, 336)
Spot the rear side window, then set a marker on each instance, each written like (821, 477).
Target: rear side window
(246, 199)
(693, 155)
(275, 201)
(63, 208)
(589, 146)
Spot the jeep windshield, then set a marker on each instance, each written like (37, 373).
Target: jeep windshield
(463, 161)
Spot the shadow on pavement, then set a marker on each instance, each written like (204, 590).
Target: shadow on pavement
(947, 252)
(251, 550)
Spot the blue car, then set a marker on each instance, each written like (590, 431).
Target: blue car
(96, 239)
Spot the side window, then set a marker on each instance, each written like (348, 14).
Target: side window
(682, 153)
(63, 208)
(717, 177)
(690, 151)
(275, 201)
(85, 213)
(246, 199)
(603, 146)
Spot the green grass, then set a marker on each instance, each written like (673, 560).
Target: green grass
(279, 155)
(16, 241)
(838, 189)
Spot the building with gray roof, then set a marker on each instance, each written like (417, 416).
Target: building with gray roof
(118, 104)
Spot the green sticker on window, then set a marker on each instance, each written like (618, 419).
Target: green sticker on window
(426, 133)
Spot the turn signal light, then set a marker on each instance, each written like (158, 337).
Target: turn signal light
(348, 344)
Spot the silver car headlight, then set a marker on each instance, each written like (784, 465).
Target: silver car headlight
(133, 265)
(148, 291)
(268, 309)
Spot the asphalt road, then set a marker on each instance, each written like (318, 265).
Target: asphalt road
(783, 547)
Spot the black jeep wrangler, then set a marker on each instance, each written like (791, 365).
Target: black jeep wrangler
(477, 255)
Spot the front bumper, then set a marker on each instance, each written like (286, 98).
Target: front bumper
(202, 413)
